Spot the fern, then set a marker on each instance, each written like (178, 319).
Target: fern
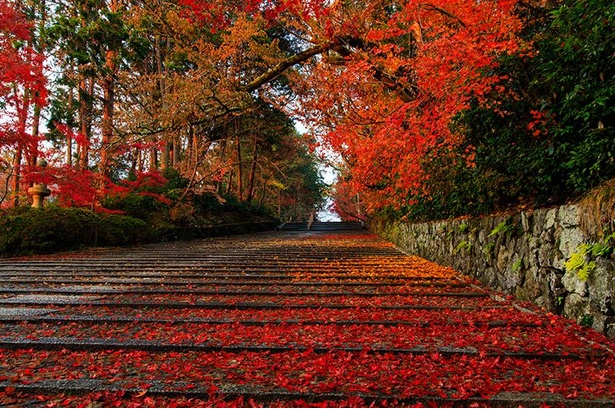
(586, 271)
(601, 250)
(488, 249)
(517, 265)
(464, 245)
(577, 259)
(578, 263)
(503, 227)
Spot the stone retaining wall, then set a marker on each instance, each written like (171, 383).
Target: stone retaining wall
(523, 255)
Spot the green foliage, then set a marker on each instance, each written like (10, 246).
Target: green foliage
(582, 263)
(32, 231)
(463, 246)
(463, 228)
(547, 134)
(579, 66)
(587, 320)
(503, 227)
(579, 264)
(601, 250)
(136, 206)
(488, 248)
(517, 265)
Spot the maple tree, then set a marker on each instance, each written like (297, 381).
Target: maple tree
(404, 72)
(380, 82)
(22, 86)
(559, 149)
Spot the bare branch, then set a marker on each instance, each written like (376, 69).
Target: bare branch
(279, 68)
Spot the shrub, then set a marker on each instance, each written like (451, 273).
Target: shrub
(32, 231)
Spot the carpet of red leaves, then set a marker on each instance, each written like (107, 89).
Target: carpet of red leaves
(363, 325)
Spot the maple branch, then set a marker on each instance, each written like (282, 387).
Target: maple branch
(390, 81)
(429, 6)
(351, 214)
(279, 68)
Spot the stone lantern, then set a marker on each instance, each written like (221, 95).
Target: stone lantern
(39, 191)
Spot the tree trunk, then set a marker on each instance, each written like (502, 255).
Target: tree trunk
(17, 174)
(69, 139)
(108, 85)
(165, 156)
(153, 159)
(108, 108)
(86, 88)
(36, 120)
(239, 169)
(39, 46)
(22, 118)
(222, 156)
(176, 158)
(252, 177)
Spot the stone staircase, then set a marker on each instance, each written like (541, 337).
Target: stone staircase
(284, 319)
(321, 226)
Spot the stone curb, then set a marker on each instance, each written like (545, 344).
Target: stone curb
(10, 290)
(236, 306)
(97, 344)
(260, 395)
(178, 321)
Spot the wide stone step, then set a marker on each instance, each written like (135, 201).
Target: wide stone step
(230, 394)
(108, 344)
(322, 226)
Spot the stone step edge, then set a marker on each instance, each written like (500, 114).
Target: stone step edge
(204, 282)
(178, 321)
(96, 344)
(245, 273)
(236, 306)
(263, 396)
(71, 291)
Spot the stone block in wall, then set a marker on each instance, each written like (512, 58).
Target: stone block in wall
(573, 284)
(527, 219)
(602, 323)
(554, 293)
(569, 241)
(547, 255)
(503, 258)
(551, 218)
(533, 253)
(609, 329)
(531, 289)
(576, 307)
(569, 216)
(601, 287)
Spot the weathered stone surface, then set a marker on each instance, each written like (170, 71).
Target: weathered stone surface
(602, 284)
(570, 240)
(569, 216)
(576, 306)
(24, 312)
(527, 260)
(550, 219)
(531, 289)
(503, 258)
(573, 284)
